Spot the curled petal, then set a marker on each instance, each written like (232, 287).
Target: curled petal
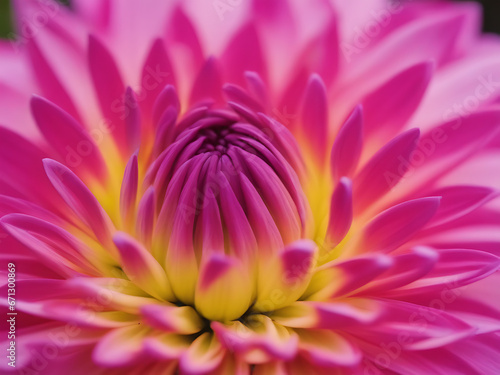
(284, 277)
(142, 268)
(224, 289)
(81, 200)
(120, 347)
(203, 355)
(179, 319)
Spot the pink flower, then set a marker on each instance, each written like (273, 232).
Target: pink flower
(250, 187)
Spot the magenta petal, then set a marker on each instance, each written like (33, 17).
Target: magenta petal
(360, 271)
(58, 249)
(425, 327)
(315, 116)
(120, 347)
(340, 212)
(49, 82)
(208, 84)
(182, 31)
(322, 54)
(383, 171)
(244, 53)
(455, 268)
(141, 267)
(214, 269)
(170, 318)
(128, 191)
(458, 201)
(21, 163)
(80, 199)
(388, 108)
(166, 98)
(109, 88)
(157, 73)
(68, 138)
(396, 225)
(406, 268)
(146, 216)
(258, 88)
(348, 144)
(238, 95)
(132, 120)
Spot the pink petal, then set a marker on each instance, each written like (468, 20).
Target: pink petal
(243, 53)
(50, 84)
(55, 247)
(344, 277)
(120, 347)
(340, 213)
(388, 108)
(157, 73)
(348, 144)
(314, 116)
(458, 201)
(208, 84)
(406, 268)
(142, 268)
(395, 226)
(80, 199)
(146, 216)
(109, 88)
(455, 268)
(180, 319)
(128, 190)
(328, 349)
(383, 171)
(203, 355)
(68, 138)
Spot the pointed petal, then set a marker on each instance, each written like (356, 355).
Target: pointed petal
(458, 201)
(179, 319)
(406, 268)
(328, 349)
(348, 144)
(128, 190)
(224, 291)
(109, 88)
(388, 108)
(208, 84)
(284, 277)
(383, 171)
(343, 277)
(455, 268)
(395, 226)
(81, 200)
(68, 138)
(132, 117)
(314, 117)
(157, 73)
(260, 340)
(328, 315)
(203, 355)
(340, 213)
(120, 347)
(47, 79)
(243, 53)
(142, 268)
(146, 216)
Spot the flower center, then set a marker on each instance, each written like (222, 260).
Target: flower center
(224, 187)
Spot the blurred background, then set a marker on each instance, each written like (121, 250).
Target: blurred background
(491, 15)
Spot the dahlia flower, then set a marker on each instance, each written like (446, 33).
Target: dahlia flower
(250, 187)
